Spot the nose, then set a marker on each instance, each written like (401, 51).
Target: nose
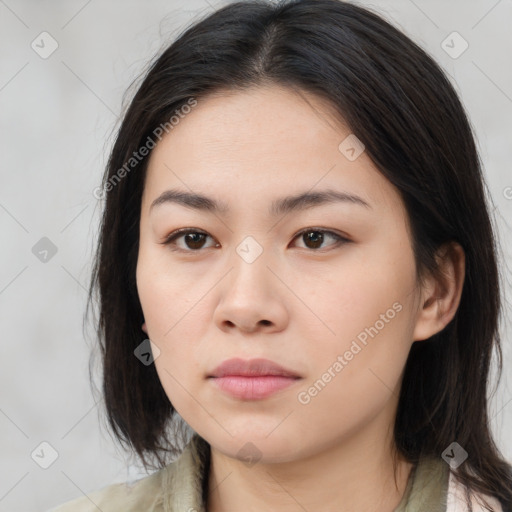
(251, 298)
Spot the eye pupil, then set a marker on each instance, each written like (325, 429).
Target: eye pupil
(195, 238)
(316, 237)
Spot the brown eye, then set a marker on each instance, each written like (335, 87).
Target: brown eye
(314, 238)
(193, 240)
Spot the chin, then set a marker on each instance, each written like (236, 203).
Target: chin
(250, 445)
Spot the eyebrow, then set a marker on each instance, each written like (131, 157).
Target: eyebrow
(279, 206)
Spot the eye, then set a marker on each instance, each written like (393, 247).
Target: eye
(192, 238)
(314, 237)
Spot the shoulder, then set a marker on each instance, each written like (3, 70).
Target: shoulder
(457, 499)
(143, 494)
(177, 486)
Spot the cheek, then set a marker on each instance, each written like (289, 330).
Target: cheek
(175, 310)
(352, 293)
(167, 292)
(356, 381)
(172, 310)
(369, 306)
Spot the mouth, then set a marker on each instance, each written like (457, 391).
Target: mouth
(254, 379)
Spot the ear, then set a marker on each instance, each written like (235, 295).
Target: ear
(144, 328)
(440, 295)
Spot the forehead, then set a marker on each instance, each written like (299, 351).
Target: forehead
(263, 141)
(229, 119)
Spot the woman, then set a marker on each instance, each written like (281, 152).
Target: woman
(296, 257)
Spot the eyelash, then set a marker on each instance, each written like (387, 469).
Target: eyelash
(175, 235)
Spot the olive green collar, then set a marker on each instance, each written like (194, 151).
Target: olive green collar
(185, 482)
(427, 487)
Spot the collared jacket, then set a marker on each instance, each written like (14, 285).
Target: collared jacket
(181, 487)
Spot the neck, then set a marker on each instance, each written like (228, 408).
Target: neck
(345, 476)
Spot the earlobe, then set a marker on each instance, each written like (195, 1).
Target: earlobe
(144, 328)
(442, 292)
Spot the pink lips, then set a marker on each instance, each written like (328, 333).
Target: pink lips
(252, 380)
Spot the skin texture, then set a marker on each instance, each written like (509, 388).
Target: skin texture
(295, 304)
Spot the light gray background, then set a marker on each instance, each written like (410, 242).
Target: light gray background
(57, 118)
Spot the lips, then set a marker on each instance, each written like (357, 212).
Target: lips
(255, 379)
(252, 368)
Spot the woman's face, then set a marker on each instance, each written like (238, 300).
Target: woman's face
(323, 285)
